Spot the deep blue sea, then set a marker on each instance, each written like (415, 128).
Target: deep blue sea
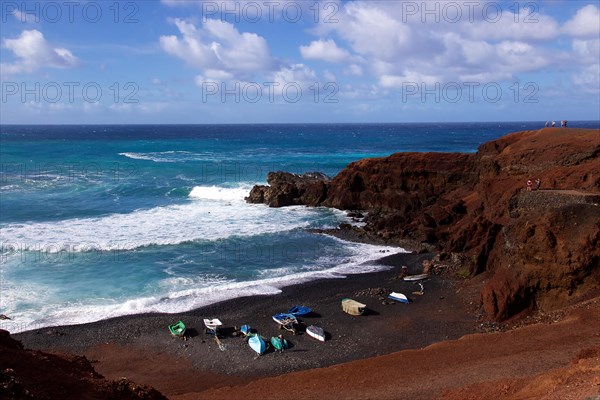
(102, 221)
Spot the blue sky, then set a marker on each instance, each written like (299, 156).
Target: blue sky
(177, 61)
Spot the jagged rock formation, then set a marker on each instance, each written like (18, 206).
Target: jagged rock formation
(538, 248)
(286, 189)
(28, 374)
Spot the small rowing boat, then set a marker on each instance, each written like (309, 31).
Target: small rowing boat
(212, 325)
(353, 307)
(286, 321)
(412, 278)
(398, 297)
(300, 311)
(279, 343)
(177, 329)
(245, 329)
(257, 343)
(316, 332)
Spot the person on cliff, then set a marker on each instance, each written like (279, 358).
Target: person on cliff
(538, 183)
(547, 124)
(553, 124)
(529, 185)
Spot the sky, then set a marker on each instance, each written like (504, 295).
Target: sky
(298, 61)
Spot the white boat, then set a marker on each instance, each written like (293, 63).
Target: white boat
(212, 325)
(412, 278)
(398, 297)
(316, 332)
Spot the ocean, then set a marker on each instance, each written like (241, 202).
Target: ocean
(102, 221)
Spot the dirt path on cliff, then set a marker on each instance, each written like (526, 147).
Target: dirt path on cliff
(535, 361)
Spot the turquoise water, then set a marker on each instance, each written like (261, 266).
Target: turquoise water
(101, 221)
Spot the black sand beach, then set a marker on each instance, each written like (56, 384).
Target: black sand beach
(141, 348)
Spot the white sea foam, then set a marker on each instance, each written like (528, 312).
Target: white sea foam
(213, 213)
(169, 156)
(220, 193)
(184, 294)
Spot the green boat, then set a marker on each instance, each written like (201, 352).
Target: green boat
(279, 343)
(177, 329)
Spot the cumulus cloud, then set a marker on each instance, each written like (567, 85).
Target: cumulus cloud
(326, 50)
(33, 52)
(528, 24)
(363, 25)
(586, 22)
(393, 46)
(219, 48)
(588, 79)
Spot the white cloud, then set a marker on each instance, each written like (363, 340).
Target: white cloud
(329, 76)
(364, 25)
(528, 24)
(586, 22)
(219, 46)
(588, 79)
(33, 52)
(326, 50)
(354, 70)
(587, 50)
(296, 73)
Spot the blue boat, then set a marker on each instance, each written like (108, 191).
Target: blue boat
(257, 343)
(399, 297)
(300, 311)
(245, 329)
(286, 321)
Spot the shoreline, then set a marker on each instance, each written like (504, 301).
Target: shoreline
(132, 345)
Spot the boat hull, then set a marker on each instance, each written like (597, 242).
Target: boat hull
(177, 329)
(279, 343)
(399, 297)
(300, 311)
(413, 278)
(316, 332)
(257, 344)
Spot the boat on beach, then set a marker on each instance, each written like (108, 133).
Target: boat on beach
(257, 343)
(300, 311)
(279, 343)
(177, 329)
(413, 278)
(399, 297)
(212, 325)
(353, 307)
(286, 321)
(245, 329)
(316, 332)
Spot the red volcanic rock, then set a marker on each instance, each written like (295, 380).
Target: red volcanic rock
(476, 204)
(540, 248)
(400, 182)
(286, 189)
(27, 374)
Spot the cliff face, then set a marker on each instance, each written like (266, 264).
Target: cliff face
(541, 250)
(28, 374)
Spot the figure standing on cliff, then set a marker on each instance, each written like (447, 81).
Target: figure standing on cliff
(538, 183)
(564, 123)
(529, 184)
(547, 123)
(553, 124)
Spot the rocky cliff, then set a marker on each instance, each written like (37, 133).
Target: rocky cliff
(536, 251)
(286, 189)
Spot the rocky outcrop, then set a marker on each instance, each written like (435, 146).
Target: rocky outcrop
(476, 204)
(28, 374)
(286, 189)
